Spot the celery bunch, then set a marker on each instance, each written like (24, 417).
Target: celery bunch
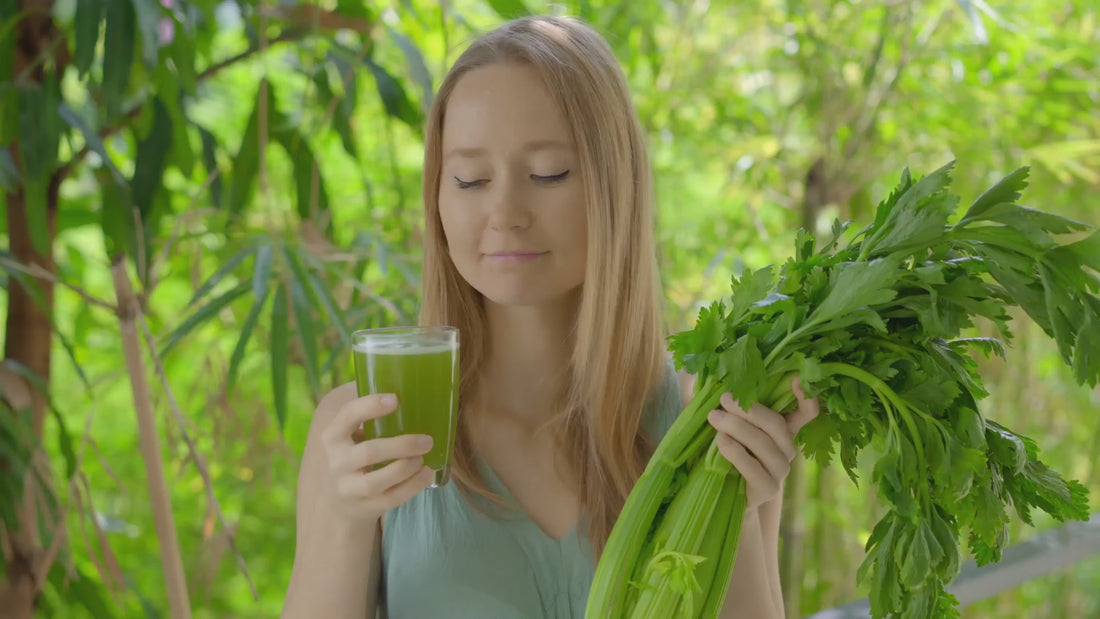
(873, 329)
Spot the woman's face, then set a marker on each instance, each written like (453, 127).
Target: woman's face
(510, 195)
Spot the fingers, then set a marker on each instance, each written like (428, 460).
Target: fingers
(376, 484)
(756, 477)
(353, 413)
(368, 453)
(807, 410)
(407, 489)
(775, 459)
(773, 424)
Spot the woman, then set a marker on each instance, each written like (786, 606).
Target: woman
(539, 248)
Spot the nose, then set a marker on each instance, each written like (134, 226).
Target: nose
(507, 208)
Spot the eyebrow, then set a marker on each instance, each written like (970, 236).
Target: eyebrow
(534, 145)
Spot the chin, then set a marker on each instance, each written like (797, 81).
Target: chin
(529, 295)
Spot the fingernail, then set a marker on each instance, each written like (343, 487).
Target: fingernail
(424, 442)
(715, 416)
(389, 400)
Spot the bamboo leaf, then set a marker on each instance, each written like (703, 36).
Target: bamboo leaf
(360, 243)
(417, 68)
(346, 69)
(260, 278)
(220, 274)
(242, 342)
(82, 589)
(202, 315)
(210, 162)
(183, 157)
(65, 440)
(67, 344)
(147, 14)
(39, 137)
(183, 51)
(307, 175)
(410, 6)
(116, 217)
(329, 304)
(91, 138)
(89, 16)
(17, 443)
(118, 55)
(975, 21)
(261, 275)
(149, 164)
(355, 8)
(341, 118)
(246, 165)
(77, 217)
(303, 321)
(509, 9)
(9, 104)
(279, 337)
(394, 99)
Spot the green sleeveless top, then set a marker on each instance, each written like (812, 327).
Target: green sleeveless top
(444, 558)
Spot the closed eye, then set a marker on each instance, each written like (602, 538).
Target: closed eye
(550, 179)
(469, 184)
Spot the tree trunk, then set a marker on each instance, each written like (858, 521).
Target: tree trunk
(28, 336)
(28, 328)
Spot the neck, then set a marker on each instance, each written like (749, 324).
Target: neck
(527, 359)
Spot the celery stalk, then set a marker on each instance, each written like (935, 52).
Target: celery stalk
(716, 597)
(616, 564)
(714, 542)
(671, 576)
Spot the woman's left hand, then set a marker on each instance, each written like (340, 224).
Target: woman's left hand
(759, 442)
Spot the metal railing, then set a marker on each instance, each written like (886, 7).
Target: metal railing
(1047, 552)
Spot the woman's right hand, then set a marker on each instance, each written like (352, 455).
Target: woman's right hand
(362, 493)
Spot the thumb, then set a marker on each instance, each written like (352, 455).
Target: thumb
(807, 411)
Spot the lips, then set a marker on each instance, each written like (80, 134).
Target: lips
(516, 256)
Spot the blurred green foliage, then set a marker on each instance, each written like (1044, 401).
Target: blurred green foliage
(292, 173)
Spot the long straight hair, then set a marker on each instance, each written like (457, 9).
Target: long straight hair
(618, 356)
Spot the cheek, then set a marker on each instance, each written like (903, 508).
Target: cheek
(461, 233)
(572, 230)
(578, 227)
(456, 229)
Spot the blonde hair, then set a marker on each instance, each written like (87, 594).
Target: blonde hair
(618, 356)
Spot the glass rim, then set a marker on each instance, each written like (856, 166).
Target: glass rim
(413, 330)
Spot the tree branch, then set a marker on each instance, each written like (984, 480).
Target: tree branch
(192, 448)
(35, 270)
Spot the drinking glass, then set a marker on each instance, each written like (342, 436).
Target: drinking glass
(420, 366)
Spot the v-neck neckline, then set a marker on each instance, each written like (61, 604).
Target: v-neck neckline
(524, 518)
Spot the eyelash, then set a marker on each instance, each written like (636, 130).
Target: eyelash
(557, 178)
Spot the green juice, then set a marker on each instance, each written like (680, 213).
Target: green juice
(424, 376)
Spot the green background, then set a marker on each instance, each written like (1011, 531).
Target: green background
(273, 151)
